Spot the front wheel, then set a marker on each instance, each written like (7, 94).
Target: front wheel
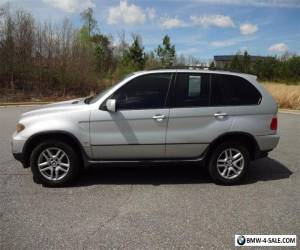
(229, 162)
(54, 163)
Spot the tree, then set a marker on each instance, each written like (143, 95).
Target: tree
(212, 65)
(90, 22)
(166, 52)
(246, 63)
(135, 56)
(236, 64)
(103, 52)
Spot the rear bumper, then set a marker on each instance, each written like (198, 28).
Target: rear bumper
(267, 142)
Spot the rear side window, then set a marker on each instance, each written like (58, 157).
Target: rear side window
(144, 92)
(190, 90)
(228, 90)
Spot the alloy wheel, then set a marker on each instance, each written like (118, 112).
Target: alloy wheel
(53, 163)
(230, 163)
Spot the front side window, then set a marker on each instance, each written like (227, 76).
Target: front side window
(191, 90)
(230, 90)
(144, 92)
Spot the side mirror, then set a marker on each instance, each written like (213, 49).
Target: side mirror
(111, 105)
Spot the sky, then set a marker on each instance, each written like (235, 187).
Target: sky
(200, 28)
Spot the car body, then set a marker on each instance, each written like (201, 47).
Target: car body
(157, 116)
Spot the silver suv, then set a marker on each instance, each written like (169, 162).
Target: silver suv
(221, 119)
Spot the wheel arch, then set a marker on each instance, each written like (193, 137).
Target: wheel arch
(63, 136)
(246, 139)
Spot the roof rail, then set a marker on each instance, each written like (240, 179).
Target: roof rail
(184, 67)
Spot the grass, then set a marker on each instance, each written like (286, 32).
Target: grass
(287, 96)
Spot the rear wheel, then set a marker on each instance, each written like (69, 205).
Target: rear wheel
(229, 162)
(54, 163)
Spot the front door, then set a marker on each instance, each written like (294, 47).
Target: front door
(137, 130)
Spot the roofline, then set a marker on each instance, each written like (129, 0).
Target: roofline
(195, 71)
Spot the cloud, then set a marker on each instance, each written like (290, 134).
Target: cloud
(151, 13)
(279, 48)
(224, 43)
(248, 28)
(231, 42)
(213, 20)
(126, 13)
(169, 23)
(71, 5)
(255, 3)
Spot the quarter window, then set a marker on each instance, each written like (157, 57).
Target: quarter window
(144, 92)
(228, 90)
(191, 90)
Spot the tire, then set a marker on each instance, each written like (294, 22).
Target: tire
(225, 169)
(52, 168)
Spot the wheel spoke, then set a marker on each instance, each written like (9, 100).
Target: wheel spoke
(51, 172)
(228, 172)
(236, 156)
(56, 173)
(234, 171)
(238, 160)
(64, 164)
(57, 153)
(45, 169)
(226, 155)
(224, 171)
(62, 156)
(43, 164)
(62, 169)
(49, 153)
(234, 164)
(45, 156)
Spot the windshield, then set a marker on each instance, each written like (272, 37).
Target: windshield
(95, 98)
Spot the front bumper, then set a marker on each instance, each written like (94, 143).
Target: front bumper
(17, 145)
(19, 157)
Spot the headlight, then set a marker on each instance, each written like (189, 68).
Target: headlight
(20, 127)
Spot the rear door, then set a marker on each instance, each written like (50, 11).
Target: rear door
(237, 92)
(194, 121)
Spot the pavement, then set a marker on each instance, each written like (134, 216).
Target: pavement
(162, 207)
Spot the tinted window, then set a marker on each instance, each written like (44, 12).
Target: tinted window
(191, 90)
(233, 90)
(144, 92)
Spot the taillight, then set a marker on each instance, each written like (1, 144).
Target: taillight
(273, 125)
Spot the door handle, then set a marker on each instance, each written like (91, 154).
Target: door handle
(220, 114)
(159, 118)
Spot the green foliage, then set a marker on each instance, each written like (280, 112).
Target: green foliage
(212, 65)
(102, 52)
(241, 63)
(89, 22)
(286, 68)
(166, 53)
(151, 61)
(134, 57)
